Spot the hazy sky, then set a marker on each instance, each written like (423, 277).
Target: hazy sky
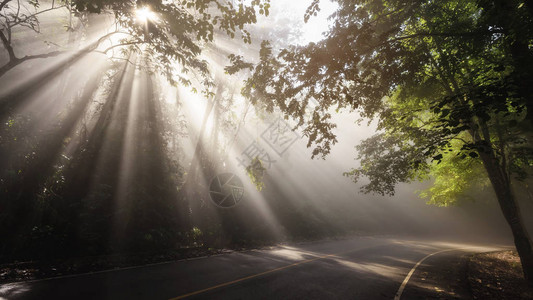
(316, 25)
(313, 29)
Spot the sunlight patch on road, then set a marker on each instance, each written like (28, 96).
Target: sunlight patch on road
(379, 269)
(292, 253)
(12, 289)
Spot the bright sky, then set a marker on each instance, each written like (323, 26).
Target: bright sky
(314, 28)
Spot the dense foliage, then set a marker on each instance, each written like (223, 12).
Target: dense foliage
(170, 31)
(449, 82)
(82, 178)
(91, 148)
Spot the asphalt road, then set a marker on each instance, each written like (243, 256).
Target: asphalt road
(355, 268)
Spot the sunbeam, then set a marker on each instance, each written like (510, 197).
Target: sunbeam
(135, 132)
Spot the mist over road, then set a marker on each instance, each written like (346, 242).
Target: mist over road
(354, 268)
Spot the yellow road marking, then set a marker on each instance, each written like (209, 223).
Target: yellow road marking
(255, 275)
(397, 296)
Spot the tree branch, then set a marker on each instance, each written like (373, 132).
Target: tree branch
(17, 61)
(14, 61)
(8, 46)
(135, 43)
(440, 34)
(35, 14)
(4, 4)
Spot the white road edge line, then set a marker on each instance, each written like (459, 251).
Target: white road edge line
(404, 283)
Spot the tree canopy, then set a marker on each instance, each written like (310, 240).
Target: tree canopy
(447, 81)
(100, 170)
(173, 36)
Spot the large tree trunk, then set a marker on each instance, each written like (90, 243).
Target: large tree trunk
(516, 30)
(511, 211)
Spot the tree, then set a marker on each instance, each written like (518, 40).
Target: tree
(170, 31)
(55, 184)
(446, 80)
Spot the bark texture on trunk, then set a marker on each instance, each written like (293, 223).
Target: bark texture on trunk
(511, 211)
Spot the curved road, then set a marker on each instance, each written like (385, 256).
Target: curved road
(355, 268)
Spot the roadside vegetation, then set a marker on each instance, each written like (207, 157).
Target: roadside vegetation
(97, 159)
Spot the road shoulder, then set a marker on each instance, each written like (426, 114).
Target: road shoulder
(497, 275)
(442, 276)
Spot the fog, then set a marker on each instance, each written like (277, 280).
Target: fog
(319, 190)
(104, 125)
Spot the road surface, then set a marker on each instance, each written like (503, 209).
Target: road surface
(355, 268)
